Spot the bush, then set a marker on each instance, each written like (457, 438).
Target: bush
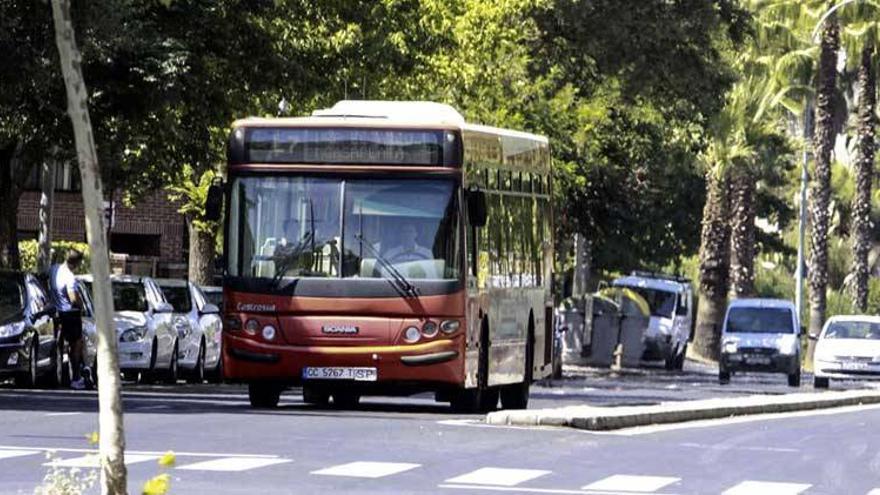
(28, 250)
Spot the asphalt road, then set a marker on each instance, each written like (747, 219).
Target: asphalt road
(417, 446)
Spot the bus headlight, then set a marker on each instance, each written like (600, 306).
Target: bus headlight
(450, 326)
(268, 332)
(429, 329)
(251, 327)
(412, 334)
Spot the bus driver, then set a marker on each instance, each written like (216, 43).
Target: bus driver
(409, 249)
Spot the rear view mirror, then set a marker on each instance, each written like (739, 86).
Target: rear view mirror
(214, 202)
(476, 205)
(210, 309)
(164, 308)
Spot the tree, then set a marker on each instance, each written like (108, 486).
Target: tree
(860, 37)
(112, 437)
(192, 195)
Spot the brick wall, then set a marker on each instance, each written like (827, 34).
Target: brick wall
(154, 214)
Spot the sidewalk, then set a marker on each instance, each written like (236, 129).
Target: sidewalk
(612, 418)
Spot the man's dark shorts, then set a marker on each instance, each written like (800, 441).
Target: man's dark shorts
(71, 325)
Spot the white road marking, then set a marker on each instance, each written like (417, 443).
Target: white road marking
(137, 452)
(63, 414)
(232, 464)
(631, 484)
(93, 461)
(875, 491)
(766, 488)
(5, 454)
(498, 476)
(366, 469)
(737, 447)
(519, 489)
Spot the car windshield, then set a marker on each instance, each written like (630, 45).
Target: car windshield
(11, 300)
(660, 302)
(759, 320)
(129, 296)
(863, 330)
(319, 227)
(178, 297)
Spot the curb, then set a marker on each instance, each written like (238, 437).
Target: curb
(614, 418)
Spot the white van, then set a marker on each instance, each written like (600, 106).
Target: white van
(761, 335)
(671, 303)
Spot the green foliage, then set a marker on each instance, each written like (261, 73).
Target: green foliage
(873, 296)
(29, 250)
(774, 282)
(192, 195)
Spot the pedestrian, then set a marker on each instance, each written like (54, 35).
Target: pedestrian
(69, 307)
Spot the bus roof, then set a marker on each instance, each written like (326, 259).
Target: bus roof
(395, 114)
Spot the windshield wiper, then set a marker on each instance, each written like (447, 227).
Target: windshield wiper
(404, 284)
(287, 259)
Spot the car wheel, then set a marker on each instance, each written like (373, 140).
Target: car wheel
(28, 378)
(821, 382)
(55, 376)
(315, 397)
(264, 395)
(173, 372)
(724, 377)
(794, 379)
(198, 373)
(346, 400)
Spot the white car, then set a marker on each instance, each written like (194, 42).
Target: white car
(848, 348)
(148, 342)
(199, 329)
(761, 335)
(671, 302)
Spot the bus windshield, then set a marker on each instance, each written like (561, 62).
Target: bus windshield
(293, 226)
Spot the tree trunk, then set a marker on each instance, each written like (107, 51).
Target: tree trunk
(47, 200)
(821, 188)
(112, 435)
(714, 269)
(12, 177)
(864, 179)
(742, 235)
(201, 255)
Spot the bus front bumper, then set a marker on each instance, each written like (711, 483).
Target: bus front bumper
(435, 361)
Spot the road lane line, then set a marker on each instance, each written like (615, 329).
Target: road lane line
(498, 476)
(63, 414)
(232, 464)
(766, 488)
(726, 447)
(367, 469)
(631, 483)
(93, 461)
(138, 452)
(6, 454)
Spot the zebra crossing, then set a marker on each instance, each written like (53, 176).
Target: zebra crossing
(486, 478)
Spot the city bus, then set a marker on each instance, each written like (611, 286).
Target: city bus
(386, 248)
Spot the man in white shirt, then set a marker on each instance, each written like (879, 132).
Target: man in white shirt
(409, 248)
(68, 305)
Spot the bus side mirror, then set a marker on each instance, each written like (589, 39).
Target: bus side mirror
(214, 202)
(476, 205)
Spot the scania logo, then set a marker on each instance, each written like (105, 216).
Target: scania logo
(340, 329)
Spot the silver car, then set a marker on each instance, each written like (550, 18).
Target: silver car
(199, 329)
(148, 342)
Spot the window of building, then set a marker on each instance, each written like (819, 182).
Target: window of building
(136, 244)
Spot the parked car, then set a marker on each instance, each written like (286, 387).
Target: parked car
(847, 348)
(199, 329)
(90, 331)
(30, 348)
(671, 303)
(761, 335)
(148, 342)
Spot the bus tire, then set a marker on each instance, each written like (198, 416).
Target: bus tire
(516, 395)
(315, 397)
(475, 400)
(264, 395)
(346, 400)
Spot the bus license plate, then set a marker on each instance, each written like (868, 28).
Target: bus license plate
(338, 373)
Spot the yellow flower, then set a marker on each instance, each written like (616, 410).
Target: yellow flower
(93, 438)
(168, 459)
(159, 485)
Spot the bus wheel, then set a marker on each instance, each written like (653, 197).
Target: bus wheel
(264, 395)
(315, 397)
(515, 396)
(475, 400)
(346, 400)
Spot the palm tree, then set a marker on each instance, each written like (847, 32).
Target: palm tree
(860, 37)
